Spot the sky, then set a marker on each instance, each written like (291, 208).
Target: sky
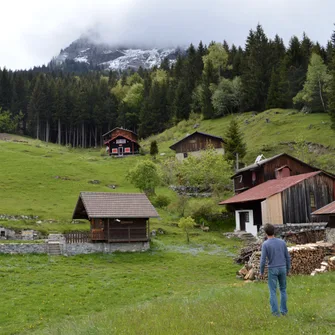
(34, 31)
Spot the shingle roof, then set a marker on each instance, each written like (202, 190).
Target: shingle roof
(328, 209)
(269, 188)
(114, 205)
(196, 132)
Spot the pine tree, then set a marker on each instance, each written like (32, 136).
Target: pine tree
(256, 69)
(273, 94)
(235, 146)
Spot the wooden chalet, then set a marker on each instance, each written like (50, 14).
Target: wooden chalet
(116, 217)
(194, 143)
(276, 167)
(280, 201)
(121, 142)
(326, 214)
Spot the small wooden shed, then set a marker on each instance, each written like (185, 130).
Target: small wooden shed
(326, 214)
(116, 217)
(194, 143)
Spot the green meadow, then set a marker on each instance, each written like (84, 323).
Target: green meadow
(175, 287)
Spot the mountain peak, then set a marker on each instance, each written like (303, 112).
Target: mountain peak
(87, 49)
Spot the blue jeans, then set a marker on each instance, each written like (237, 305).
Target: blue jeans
(277, 275)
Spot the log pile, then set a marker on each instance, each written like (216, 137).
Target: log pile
(328, 264)
(304, 260)
(246, 252)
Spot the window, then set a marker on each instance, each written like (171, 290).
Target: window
(185, 155)
(114, 151)
(120, 141)
(127, 150)
(246, 216)
(2, 233)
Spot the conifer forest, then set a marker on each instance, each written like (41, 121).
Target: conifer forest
(76, 105)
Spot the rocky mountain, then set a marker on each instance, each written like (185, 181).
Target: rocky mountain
(93, 54)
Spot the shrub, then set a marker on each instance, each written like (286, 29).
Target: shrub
(161, 201)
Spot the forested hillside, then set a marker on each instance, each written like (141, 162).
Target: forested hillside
(213, 81)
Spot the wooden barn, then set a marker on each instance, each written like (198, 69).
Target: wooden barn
(120, 142)
(194, 143)
(276, 167)
(326, 214)
(116, 217)
(281, 201)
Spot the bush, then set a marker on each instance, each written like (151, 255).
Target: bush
(202, 209)
(161, 201)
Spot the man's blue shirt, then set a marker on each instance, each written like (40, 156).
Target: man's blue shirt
(275, 250)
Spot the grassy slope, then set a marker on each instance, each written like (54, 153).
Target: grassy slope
(285, 127)
(172, 289)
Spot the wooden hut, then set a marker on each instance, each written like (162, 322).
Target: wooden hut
(281, 201)
(120, 142)
(326, 214)
(276, 167)
(194, 143)
(116, 217)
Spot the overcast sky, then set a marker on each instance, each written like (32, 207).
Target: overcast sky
(34, 31)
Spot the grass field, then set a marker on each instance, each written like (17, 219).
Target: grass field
(174, 288)
(278, 135)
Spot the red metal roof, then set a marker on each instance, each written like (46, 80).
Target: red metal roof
(328, 209)
(269, 188)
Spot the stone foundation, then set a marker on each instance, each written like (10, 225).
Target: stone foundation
(23, 248)
(73, 249)
(89, 248)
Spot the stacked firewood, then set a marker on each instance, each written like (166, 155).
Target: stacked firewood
(328, 264)
(304, 259)
(246, 252)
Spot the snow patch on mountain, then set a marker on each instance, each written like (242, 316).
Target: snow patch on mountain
(119, 58)
(81, 59)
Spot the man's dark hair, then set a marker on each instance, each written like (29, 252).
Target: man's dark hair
(269, 229)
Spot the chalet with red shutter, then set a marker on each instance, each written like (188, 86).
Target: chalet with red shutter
(120, 142)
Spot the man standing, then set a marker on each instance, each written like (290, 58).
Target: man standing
(275, 251)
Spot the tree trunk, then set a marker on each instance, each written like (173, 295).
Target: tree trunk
(82, 135)
(77, 130)
(38, 127)
(96, 136)
(47, 132)
(59, 133)
(320, 92)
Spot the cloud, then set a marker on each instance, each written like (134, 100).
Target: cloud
(34, 31)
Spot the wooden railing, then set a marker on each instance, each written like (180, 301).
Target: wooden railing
(77, 237)
(126, 234)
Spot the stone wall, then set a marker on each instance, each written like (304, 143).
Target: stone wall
(73, 248)
(330, 235)
(22, 248)
(299, 233)
(89, 248)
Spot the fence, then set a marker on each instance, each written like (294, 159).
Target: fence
(77, 237)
